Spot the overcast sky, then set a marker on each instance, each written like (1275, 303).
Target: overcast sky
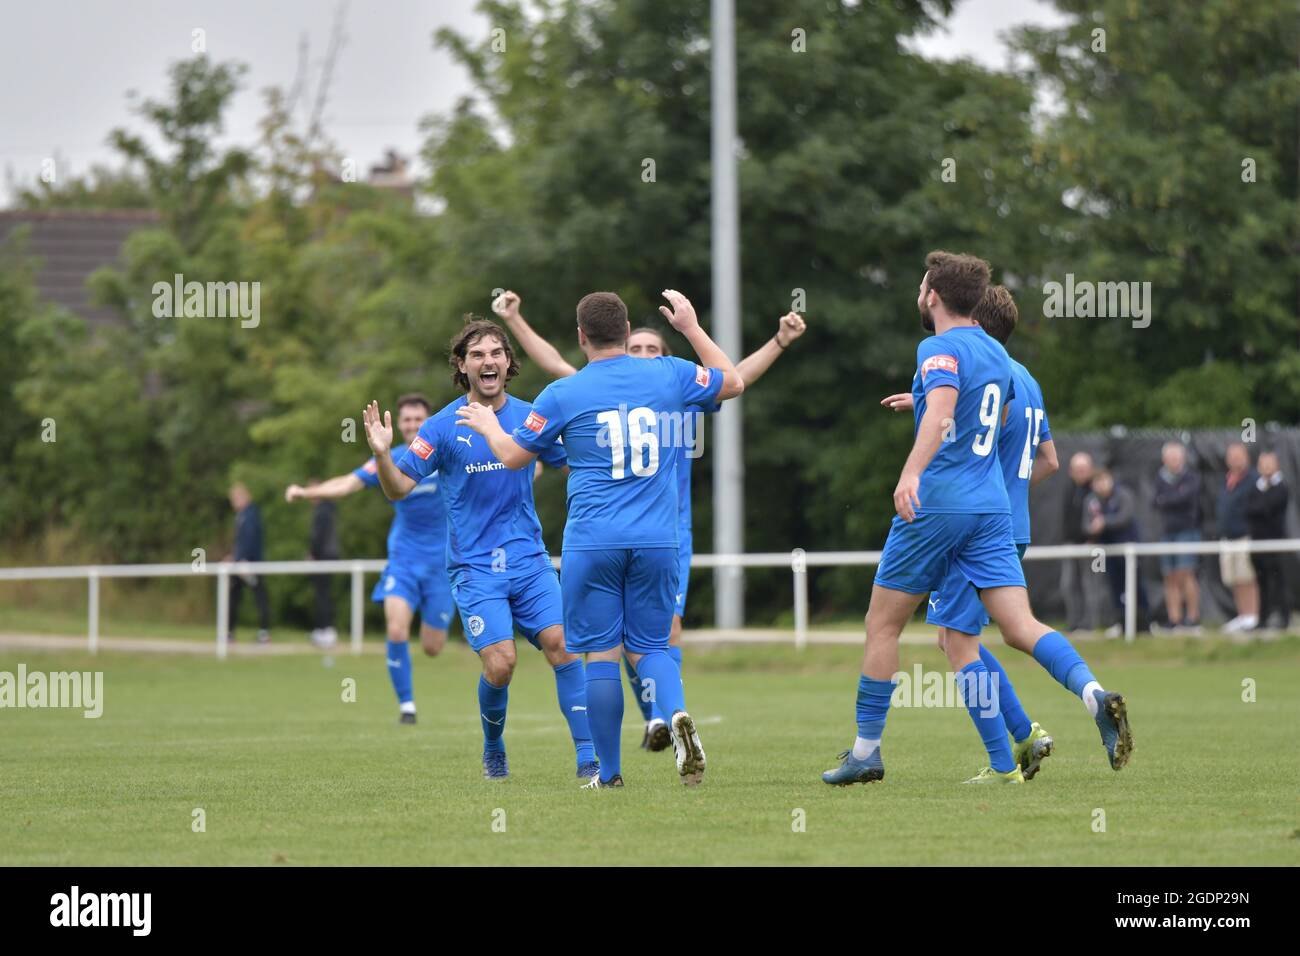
(66, 65)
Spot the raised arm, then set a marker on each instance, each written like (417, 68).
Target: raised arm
(379, 435)
(940, 404)
(546, 355)
(337, 487)
(683, 319)
(752, 366)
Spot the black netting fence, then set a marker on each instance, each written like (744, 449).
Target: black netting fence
(1134, 458)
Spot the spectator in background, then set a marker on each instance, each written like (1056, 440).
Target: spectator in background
(1110, 517)
(248, 547)
(323, 546)
(1080, 610)
(1235, 567)
(1266, 519)
(1178, 500)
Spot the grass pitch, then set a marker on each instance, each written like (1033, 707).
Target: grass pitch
(286, 772)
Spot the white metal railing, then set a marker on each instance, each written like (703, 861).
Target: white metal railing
(798, 561)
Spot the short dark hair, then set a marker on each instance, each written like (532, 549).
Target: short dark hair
(997, 313)
(477, 328)
(958, 279)
(414, 398)
(664, 347)
(602, 316)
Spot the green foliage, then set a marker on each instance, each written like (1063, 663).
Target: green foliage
(1123, 166)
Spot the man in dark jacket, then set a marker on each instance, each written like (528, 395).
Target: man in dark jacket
(248, 547)
(1080, 609)
(1266, 518)
(1110, 517)
(324, 546)
(1178, 501)
(1235, 567)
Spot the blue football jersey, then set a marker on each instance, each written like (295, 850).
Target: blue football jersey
(623, 421)
(965, 475)
(418, 534)
(1025, 428)
(492, 523)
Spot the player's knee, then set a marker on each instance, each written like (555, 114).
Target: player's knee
(398, 634)
(432, 641)
(498, 670)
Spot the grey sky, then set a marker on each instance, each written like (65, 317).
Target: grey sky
(65, 67)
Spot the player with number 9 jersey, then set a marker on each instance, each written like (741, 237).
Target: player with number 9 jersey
(964, 478)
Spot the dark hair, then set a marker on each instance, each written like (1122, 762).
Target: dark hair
(475, 329)
(602, 316)
(958, 279)
(997, 313)
(414, 398)
(663, 339)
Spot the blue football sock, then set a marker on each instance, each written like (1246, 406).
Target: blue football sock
(1013, 714)
(647, 706)
(399, 669)
(605, 715)
(873, 706)
(571, 689)
(676, 654)
(1063, 662)
(981, 697)
(660, 672)
(492, 713)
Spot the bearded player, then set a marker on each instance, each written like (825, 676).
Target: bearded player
(952, 508)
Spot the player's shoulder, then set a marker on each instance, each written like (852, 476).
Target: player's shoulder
(1023, 376)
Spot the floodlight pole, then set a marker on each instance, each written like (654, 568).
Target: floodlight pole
(728, 457)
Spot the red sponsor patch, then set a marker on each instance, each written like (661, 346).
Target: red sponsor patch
(940, 363)
(702, 376)
(370, 467)
(535, 423)
(421, 449)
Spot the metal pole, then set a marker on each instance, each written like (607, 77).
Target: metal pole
(799, 565)
(223, 610)
(728, 461)
(1130, 593)
(358, 608)
(92, 612)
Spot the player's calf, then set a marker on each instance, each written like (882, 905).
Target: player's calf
(1009, 607)
(398, 615)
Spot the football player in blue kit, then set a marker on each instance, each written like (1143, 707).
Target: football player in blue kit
(953, 509)
(620, 420)
(415, 578)
(648, 343)
(502, 578)
(1027, 455)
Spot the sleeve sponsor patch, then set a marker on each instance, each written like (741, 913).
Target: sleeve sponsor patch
(534, 423)
(421, 449)
(702, 376)
(939, 363)
(370, 467)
